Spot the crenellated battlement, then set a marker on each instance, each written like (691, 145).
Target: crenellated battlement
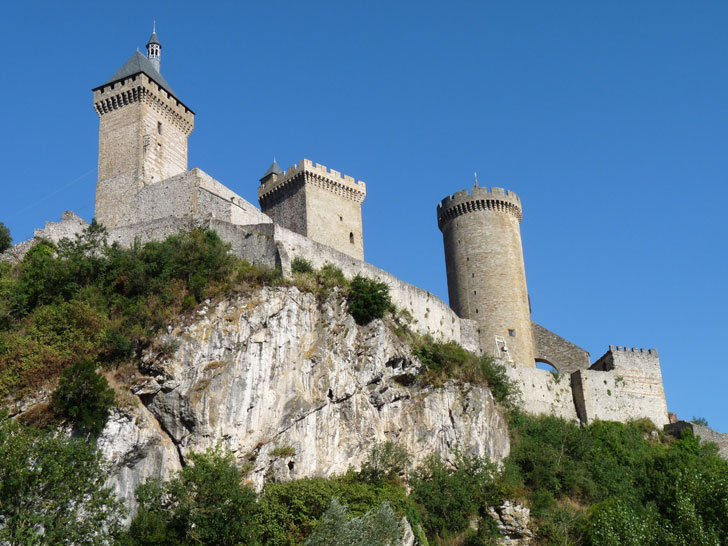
(618, 348)
(477, 199)
(141, 88)
(306, 171)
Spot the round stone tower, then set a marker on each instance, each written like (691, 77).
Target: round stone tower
(486, 277)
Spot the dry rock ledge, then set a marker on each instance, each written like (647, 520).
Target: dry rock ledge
(295, 389)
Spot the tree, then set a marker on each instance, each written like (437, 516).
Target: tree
(84, 396)
(52, 490)
(387, 461)
(206, 503)
(6, 241)
(378, 527)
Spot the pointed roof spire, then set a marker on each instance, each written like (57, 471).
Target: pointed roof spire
(154, 50)
(274, 169)
(153, 38)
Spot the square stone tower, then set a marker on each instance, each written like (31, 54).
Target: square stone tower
(143, 130)
(319, 203)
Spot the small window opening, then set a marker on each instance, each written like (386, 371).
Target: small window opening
(291, 466)
(475, 292)
(341, 218)
(351, 238)
(511, 333)
(476, 311)
(159, 127)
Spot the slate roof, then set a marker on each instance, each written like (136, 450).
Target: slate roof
(273, 169)
(136, 64)
(153, 39)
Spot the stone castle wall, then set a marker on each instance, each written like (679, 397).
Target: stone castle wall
(543, 392)
(623, 384)
(272, 245)
(486, 275)
(557, 351)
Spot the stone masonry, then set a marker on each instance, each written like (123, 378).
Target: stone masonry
(319, 203)
(486, 276)
(143, 130)
(623, 384)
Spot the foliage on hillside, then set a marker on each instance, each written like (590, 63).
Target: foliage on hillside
(52, 490)
(607, 484)
(86, 300)
(69, 310)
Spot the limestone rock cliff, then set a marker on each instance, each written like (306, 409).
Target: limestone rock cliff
(294, 388)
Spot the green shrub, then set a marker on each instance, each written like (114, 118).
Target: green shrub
(386, 461)
(503, 388)
(378, 527)
(84, 396)
(205, 503)
(301, 265)
(702, 421)
(368, 299)
(53, 489)
(6, 241)
(449, 496)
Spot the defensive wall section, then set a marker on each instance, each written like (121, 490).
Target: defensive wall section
(706, 435)
(623, 385)
(543, 392)
(556, 351)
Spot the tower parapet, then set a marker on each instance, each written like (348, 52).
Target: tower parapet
(486, 275)
(464, 201)
(317, 202)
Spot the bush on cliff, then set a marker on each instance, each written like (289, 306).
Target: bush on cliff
(84, 396)
(85, 299)
(205, 503)
(368, 299)
(640, 491)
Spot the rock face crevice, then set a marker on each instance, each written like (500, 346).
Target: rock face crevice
(295, 388)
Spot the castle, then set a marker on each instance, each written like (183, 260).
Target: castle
(146, 192)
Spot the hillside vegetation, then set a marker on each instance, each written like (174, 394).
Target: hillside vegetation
(73, 310)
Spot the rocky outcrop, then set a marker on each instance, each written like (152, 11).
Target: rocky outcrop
(513, 521)
(294, 388)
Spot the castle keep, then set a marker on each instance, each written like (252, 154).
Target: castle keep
(143, 130)
(146, 192)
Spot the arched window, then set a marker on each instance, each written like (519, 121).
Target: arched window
(351, 238)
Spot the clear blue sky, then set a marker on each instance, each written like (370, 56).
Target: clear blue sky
(609, 119)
